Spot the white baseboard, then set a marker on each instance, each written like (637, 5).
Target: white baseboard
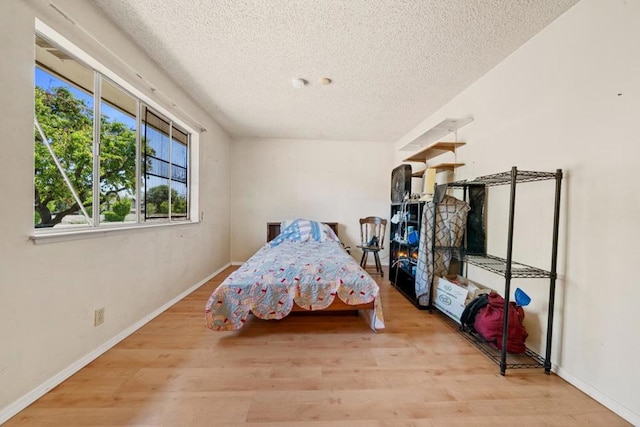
(26, 400)
(611, 404)
(237, 262)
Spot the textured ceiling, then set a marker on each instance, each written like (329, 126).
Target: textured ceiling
(393, 63)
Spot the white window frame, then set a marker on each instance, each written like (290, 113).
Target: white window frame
(55, 235)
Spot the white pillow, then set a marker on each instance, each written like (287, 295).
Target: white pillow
(325, 232)
(287, 222)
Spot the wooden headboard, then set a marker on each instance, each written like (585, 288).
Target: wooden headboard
(273, 229)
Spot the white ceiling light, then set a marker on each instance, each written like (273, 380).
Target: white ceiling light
(325, 80)
(298, 83)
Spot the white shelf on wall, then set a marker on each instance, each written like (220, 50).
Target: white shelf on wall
(443, 128)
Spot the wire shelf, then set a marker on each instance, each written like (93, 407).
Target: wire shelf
(505, 178)
(499, 266)
(528, 359)
(495, 264)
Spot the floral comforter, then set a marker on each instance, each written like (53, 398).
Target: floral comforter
(310, 274)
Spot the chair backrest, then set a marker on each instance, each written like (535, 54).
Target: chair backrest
(370, 227)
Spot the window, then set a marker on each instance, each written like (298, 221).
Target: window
(104, 156)
(165, 167)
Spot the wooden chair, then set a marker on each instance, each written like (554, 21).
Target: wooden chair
(372, 230)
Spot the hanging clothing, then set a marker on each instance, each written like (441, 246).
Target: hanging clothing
(451, 222)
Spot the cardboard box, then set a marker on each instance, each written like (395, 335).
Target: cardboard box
(453, 293)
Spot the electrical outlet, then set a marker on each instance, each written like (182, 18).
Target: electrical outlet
(98, 318)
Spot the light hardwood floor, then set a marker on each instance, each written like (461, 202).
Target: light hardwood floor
(324, 370)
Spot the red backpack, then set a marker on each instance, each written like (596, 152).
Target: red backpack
(489, 321)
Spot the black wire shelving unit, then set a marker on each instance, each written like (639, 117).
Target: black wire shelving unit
(510, 269)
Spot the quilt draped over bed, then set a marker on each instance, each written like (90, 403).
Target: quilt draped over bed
(309, 273)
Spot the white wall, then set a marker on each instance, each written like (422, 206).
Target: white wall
(333, 181)
(569, 99)
(48, 292)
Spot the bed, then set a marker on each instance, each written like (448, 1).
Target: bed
(304, 268)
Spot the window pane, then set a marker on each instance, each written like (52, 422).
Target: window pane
(64, 111)
(178, 200)
(156, 198)
(155, 137)
(179, 174)
(117, 154)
